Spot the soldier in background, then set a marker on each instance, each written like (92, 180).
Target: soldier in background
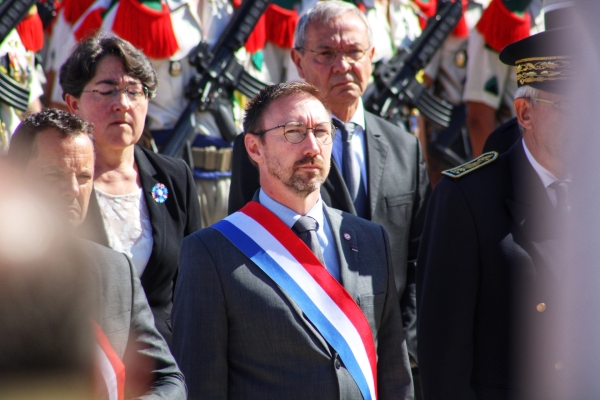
(20, 86)
(490, 85)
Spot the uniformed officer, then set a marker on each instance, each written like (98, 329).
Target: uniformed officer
(20, 88)
(487, 271)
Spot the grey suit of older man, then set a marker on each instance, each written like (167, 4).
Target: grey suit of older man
(125, 317)
(237, 335)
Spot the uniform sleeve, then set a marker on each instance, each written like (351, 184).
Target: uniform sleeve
(147, 352)
(448, 273)
(393, 368)
(200, 323)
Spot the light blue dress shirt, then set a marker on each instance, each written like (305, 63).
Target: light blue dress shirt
(324, 233)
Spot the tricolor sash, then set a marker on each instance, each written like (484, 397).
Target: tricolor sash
(110, 366)
(275, 248)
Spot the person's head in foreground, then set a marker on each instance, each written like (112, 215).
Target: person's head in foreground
(54, 149)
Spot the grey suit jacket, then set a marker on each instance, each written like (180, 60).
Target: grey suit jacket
(236, 335)
(398, 192)
(124, 315)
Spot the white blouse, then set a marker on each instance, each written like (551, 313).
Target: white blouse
(128, 226)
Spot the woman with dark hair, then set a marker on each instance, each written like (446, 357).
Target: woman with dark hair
(143, 203)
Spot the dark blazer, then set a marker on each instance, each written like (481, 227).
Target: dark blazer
(125, 317)
(484, 269)
(171, 221)
(398, 192)
(236, 335)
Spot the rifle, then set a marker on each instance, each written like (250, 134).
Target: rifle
(396, 86)
(219, 74)
(11, 13)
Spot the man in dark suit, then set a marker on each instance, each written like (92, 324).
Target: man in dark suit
(333, 51)
(55, 151)
(489, 263)
(239, 329)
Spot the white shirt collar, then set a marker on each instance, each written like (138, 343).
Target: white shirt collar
(546, 176)
(289, 216)
(359, 115)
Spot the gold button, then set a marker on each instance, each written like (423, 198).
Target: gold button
(541, 307)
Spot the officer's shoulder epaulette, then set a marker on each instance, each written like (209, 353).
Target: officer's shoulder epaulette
(472, 165)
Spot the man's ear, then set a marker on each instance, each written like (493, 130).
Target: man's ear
(297, 59)
(371, 52)
(523, 108)
(72, 103)
(253, 147)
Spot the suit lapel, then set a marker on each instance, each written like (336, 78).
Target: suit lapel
(156, 210)
(376, 154)
(334, 191)
(347, 250)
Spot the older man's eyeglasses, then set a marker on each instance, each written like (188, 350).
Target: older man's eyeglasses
(295, 132)
(134, 93)
(562, 104)
(328, 56)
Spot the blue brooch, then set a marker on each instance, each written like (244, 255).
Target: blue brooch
(160, 193)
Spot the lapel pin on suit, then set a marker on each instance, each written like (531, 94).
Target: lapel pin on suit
(347, 236)
(160, 193)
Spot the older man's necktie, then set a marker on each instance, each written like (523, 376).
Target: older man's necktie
(351, 169)
(306, 229)
(561, 188)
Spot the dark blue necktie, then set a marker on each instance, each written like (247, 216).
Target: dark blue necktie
(351, 169)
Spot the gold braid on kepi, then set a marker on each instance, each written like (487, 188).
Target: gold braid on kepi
(541, 69)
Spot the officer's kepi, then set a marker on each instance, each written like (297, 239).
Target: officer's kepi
(544, 60)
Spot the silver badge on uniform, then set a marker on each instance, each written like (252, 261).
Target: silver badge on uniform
(175, 68)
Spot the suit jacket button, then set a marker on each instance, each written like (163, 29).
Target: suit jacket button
(337, 363)
(541, 307)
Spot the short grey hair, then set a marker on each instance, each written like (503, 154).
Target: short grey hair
(528, 92)
(323, 12)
